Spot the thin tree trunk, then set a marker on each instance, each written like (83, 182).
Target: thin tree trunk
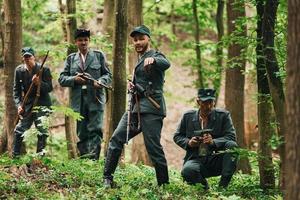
(293, 103)
(264, 107)
(119, 62)
(70, 127)
(219, 51)
(108, 17)
(235, 80)
(107, 28)
(12, 49)
(197, 47)
(62, 9)
(275, 83)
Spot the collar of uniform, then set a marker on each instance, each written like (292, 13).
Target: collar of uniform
(146, 53)
(211, 115)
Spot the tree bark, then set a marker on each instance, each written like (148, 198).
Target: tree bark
(119, 62)
(108, 16)
(197, 47)
(264, 107)
(275, 83)
(235, 80)
(70, 127)
(219, 50)
(62, 9)
(293, 103)
(12, 49)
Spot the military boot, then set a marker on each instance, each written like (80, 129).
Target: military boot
(41, 144)
(17, 146)
(162, 175)
(111, 163)
(224, 181)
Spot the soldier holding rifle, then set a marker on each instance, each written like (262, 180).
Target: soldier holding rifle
(32, 85)
(87, 74)
(146, 109)
(204, 134)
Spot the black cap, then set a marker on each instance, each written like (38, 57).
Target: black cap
(82, 33)
(205, 94)
(144, 30)
(27, 51)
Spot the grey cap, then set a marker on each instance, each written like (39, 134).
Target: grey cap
(144, 30)
(205, 94)
(27, 51)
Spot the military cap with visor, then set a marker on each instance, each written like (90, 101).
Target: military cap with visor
(82, 33)
(27, 51)
(144, 30)
(205, 94)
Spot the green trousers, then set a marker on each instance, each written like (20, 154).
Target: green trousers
(224, 164)
(151, 126)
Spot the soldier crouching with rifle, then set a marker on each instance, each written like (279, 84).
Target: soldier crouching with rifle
(32, 85)
(206, 134)
(146, 110)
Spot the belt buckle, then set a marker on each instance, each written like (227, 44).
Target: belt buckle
(84, 87)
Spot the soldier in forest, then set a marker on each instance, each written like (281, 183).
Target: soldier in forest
(147, 111)
(207, 134)
(86, 72)
(27, 74)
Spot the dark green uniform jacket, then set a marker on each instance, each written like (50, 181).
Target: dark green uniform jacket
(22, 83)
(219, 120)
(95, 65)
(154, 79)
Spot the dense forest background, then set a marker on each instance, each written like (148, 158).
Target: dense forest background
(242, 48)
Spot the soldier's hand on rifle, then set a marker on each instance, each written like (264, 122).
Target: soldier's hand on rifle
(20, 110)
(194, 142)
(79, 80)
(207, 139)
(130, 86)
(35, 79)
(97, 85)
(147, 64)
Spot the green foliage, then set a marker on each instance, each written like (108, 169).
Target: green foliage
(82, 179)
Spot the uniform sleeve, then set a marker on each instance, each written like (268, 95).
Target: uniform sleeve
(106, 76)
(180, 135)
(46, 81)
(17, 89)
(65, 79)
(161, 62)
(228, 130)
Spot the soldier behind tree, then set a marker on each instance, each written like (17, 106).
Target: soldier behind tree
(149, 73)
(221, 137)
(87, 98)
(25, 74)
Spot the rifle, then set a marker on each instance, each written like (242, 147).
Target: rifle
(146, 93)
(200, 133)
(90, 80)
(39, 74)
(203, 148)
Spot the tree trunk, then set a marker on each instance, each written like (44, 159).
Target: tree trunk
(62, 9)
(139, 153)
(119, 62)
(275, 83)
(219, 51)
(70, 127)
(107, 28)
(108, 17)
(293, 103)
(12, 49)
(264, 107)
(235, 80)
(197, 47)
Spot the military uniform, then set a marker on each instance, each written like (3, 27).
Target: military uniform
(151, 118)
(22, 82)
(87, 100)
(196, 167)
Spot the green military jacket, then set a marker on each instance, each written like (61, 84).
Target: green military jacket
(96, 66)
(219, 121)
(22, 82)
(153, 79)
